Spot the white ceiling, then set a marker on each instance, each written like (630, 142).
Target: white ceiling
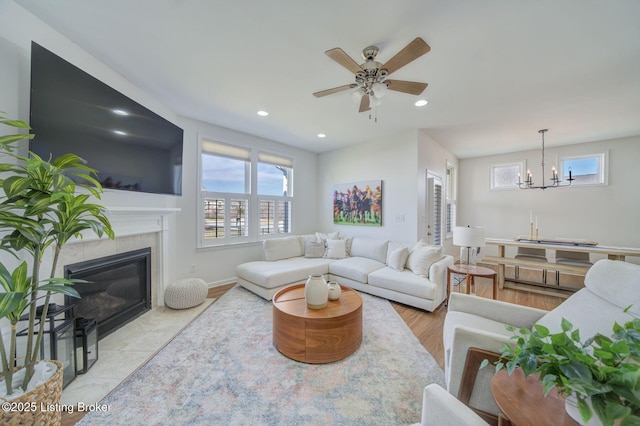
(498, 70)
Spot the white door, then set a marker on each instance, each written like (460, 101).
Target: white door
(434, 209)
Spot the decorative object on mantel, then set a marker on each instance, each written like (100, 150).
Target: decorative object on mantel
(316, 291)
(334, 290)
(556, 182)
(40, 209)
(470, 239)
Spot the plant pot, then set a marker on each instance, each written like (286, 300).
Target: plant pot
(571, 407)
(39, 406)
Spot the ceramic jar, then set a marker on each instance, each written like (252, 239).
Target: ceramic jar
(316, 291)
(334, 290)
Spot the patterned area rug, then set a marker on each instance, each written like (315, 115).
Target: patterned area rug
(223, 369)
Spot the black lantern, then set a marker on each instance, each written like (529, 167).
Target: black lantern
(87, 340)
(58, 340)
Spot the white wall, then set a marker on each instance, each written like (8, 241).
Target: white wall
(607, 214)
(217, 265)
(401, 163)
(432, 158)
(18, 28)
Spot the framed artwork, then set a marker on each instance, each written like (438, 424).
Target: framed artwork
(358, 203)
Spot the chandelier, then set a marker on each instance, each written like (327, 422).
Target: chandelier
(555, 181)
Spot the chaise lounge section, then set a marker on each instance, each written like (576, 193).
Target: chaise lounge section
(414, 275)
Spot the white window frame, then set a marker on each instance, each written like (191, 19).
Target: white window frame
(495, 167)
(251, 197)
(602, 171)
(451, 191)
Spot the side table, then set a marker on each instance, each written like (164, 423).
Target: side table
(522, 401)
(472, 271)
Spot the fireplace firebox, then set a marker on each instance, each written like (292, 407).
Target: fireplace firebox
(117, 289)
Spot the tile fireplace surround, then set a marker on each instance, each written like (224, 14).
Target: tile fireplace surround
(134, 228)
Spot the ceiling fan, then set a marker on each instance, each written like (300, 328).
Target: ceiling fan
(371, 76)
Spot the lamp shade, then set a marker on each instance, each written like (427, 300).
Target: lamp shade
(468, 236)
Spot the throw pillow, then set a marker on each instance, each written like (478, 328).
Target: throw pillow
(336, 249)
(422, 256)
(281, 248)
(320, 236)
(398, 258)
(313, 249)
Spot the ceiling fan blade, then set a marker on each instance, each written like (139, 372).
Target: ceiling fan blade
(343, 59)
(410, 87)
(364, 103)
(412, 51)
(334, 90)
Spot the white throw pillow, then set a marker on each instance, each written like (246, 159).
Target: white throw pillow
(314, 249)
(322, 237)
(398, 258)
(422, 256)
(281, 248)
(336, 249)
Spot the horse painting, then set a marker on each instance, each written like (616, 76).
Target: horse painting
(358, 204)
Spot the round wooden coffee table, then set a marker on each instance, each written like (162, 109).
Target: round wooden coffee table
(316, 336)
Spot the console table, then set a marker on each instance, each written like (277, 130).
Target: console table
(614, 253)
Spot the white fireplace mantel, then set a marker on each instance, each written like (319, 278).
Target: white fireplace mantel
(130, 221)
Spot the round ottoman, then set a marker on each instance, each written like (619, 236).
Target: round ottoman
(185, 293)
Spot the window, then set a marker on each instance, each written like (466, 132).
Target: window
(505, 176)
(450, 198)
(246, 195)
(585, 169)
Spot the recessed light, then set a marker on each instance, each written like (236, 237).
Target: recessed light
(263, 113)
(421, 102)
(120, 112)
(322, 135)
(120, 132)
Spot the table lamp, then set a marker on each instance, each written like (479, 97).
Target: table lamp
(470, 239)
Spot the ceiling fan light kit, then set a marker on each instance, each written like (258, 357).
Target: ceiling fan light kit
(371, 82)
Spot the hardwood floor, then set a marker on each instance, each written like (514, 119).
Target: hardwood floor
(427, 326)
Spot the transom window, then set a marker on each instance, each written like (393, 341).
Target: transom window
(505, 176)
(246, 194)
(585, 169)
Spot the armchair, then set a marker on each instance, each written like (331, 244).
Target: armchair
(440, 408)
(474, 327)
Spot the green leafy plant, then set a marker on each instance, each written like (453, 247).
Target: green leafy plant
(602, 370)
(40, 209)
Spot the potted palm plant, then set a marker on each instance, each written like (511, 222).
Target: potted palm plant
(41, 208)
(600, 375)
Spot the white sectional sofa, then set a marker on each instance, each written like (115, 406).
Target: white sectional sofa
(412, 274)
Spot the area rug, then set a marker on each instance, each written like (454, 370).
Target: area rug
(223, 369)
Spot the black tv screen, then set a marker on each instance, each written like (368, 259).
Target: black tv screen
(131, 147)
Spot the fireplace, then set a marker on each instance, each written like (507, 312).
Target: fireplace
(117, 288)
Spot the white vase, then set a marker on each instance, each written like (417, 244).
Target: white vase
(316, 291)
(334, 290)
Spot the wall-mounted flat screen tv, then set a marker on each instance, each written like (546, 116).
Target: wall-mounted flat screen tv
(132, 148)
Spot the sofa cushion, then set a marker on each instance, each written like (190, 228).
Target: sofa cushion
(588, 312)
(322, 237)
(398, 258)
(336, 249)
(369, 248)
(404, 282)
(617, 282)
(281, 248)
(354, 268)
(276, 274)
(313, 249)
(422, 256)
